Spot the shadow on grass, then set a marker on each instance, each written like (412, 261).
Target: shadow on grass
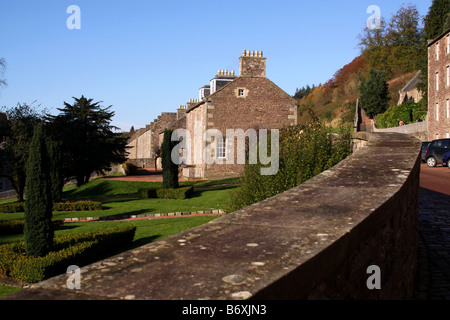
(93, 191)
(198, 192)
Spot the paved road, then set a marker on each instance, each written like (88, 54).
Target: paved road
(434, 232)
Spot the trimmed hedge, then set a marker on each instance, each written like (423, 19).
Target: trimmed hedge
(77, 249)
(178, 193)
(12, 207)
(129, 168)
(77, 206)
(147, 193)
(60, 206)
(17, 226)
(167, 193)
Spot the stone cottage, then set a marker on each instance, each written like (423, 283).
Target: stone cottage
(248, 101)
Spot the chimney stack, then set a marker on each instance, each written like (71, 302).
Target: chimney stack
(252, 64)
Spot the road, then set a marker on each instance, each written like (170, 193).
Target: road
(434, 234)
(436, 179)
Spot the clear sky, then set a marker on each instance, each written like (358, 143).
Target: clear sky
(145, 57)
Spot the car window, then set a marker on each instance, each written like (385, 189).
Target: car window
(446, 143)
(437, 144)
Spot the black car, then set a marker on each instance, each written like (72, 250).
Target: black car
(435, 152)
(425, 145)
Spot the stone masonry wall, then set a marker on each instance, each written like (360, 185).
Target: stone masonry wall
(314, 241)
(263, 106)
(439, 125)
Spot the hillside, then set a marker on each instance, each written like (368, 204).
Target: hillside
(334, 102)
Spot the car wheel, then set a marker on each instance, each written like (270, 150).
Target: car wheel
(448, 164)
(431, 162)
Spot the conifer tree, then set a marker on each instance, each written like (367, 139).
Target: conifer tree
(169, 168)
(56, 174)
(38, 231)
(374, 92)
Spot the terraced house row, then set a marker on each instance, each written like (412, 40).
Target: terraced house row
(249, 102)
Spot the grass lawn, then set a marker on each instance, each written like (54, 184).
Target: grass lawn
(4, 290)
(119, 198)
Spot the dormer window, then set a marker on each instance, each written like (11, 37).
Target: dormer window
(241, 92)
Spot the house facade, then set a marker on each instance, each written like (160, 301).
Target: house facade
(439, 87)
(246, 103)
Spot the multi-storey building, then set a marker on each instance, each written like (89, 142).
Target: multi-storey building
(439, 87)
(246, 103)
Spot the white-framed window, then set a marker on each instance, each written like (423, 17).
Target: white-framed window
(437, 111)
(436, 136)
(437, 81)
(447, 47)
(447, 135)
(448, 76)
(447, 105)
(437, 51)
(221, 148)
(241, 92)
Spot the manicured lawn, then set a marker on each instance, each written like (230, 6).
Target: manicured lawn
(4, 290)
(146, 230)
(119, 198)
(209, 195)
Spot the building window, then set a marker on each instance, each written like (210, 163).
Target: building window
(437, 50)
(447, 135)
(448, 76)
(436, 136)
(221, 148)
(448, 107)
(241, 92)
(437, 111)
(437, 81)
(447, 48)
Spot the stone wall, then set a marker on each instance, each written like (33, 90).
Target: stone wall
(439, 120)
(417, 129)
(315, 241)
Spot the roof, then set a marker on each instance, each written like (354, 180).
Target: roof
(412, 83)
(229, 84)
(430, 42)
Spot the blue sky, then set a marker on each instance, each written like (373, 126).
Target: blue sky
(145, 57)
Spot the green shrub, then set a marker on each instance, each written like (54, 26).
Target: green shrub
(129, 168)
(166, 193)
(178, 193)
(60, 206)
(304, 151)
(16, 226)
(147, 193)
(169, 168)
(77, 206)
(12, 207)
(77, 249)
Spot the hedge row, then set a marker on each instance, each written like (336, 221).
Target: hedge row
(129, 168)
(77, 249)
(166, 193)
(17, 226)
(59, 206)
(77, 206)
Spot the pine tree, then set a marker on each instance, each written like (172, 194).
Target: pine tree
(437, 19)
(38, 231)
(56, 174)
(374, 92)
(90, 143)
(169, 168)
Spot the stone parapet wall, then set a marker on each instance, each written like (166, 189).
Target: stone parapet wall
(314, 241)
